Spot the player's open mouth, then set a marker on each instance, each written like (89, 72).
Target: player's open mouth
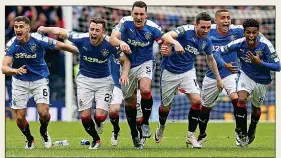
(19, 34)
(138, 22)
(251, 41)
(93, 37)
(225, 27)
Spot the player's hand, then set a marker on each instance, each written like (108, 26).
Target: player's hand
(179, 49)
(124, 80)
(220, 85)
(22, 70)
(231, 68)
(41, 30)
(254, 59)
(125, 47)
(166, 49)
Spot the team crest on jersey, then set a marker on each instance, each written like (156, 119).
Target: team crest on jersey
(193, 39)
(50, 42)
(258, 52)
(232, 37)
(105, 52)
(147, 35)
(33, 48)
(204, 44)
(7, 49)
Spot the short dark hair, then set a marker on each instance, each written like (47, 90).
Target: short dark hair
(22, 18)
(139, 4)
(99, 20)
(220, 11)
(251, 23)
(203, 16)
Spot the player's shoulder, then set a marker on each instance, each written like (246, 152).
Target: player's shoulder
(213, 27)
(236, 28)
(266, 42)
(237, 41)
(78, 35)
(152, 24)
(106, 40)
(188, 27)
(37, 36)
(233, 27)
(126, 19)
(11, 41)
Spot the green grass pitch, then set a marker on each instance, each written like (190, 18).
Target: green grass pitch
(220, 142)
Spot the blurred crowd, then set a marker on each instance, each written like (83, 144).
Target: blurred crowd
(52, 16)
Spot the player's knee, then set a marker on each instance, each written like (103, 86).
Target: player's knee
(256, 110)
(146, 94)
(164, 108)
(131, 102)
(205, 109)
(241, 102)
(100, 118)
(196, 105)
(114, 109)
(44, 118)
(20, 116)
(114, 114)
(20, 120)
(85, 119)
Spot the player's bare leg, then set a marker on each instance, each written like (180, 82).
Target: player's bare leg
(242, 118)
(146, 105)
(44, 118)
(114, 119)
(163, 115)
(131, 113)
(255, 117)
(193, 117)
(100, 116)
(89, 127)
(24, 127)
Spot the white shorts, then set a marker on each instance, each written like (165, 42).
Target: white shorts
(135, 74)
(117, 96)
(171, 82)
(98, 90)
(22, 90)
(210, 92)
(257, 91)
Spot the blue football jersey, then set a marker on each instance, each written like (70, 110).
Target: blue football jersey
(115, 69)
(235, 32)
(93, 59)
(266, 52)
(180, 63)
(140, 40)
(30, 54)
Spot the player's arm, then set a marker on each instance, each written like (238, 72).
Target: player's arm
(213, 65)
(115, 40)
(7, 70)
(61, 32)
(170, 37)
(273, 63)
(66, 47)
(126, 65)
